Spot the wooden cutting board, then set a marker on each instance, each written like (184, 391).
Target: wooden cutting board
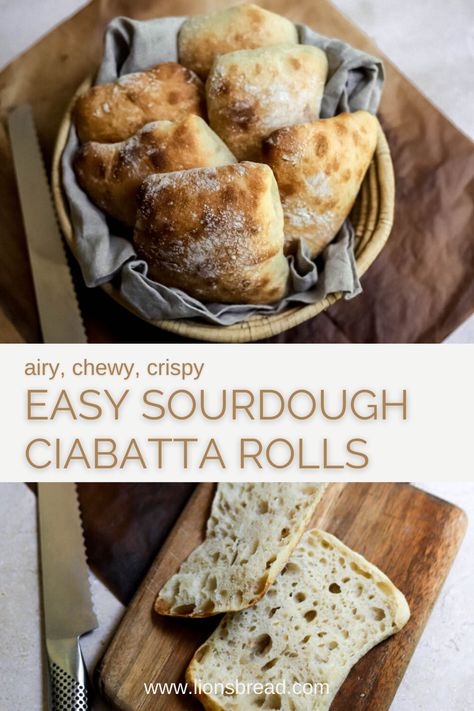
(412, 536)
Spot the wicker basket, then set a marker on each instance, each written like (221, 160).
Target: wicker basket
(372, 217)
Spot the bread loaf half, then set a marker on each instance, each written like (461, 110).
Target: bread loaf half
(319, 167)
(204, 37)
(327, 608)
(113, 112)
(250, 93)
(111, 173)
(250, 535)
(216, 233)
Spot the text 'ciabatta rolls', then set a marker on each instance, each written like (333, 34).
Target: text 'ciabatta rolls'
(216, 233)
(251, 93)
(319, 168)
(327, 608)
(204, 37)
(115, 111)
(111, 173)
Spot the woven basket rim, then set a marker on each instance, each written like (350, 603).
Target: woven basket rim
(376, 202)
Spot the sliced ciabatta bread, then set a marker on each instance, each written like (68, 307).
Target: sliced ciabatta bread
(251, 533)
(328, 607)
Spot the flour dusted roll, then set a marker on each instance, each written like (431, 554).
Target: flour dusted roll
(204, 37)
(111, 173)
(319, 167)
(115, 111)
(251, 93)
(326, 610)
(216, 233)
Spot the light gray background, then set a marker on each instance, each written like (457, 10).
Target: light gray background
(432, 42)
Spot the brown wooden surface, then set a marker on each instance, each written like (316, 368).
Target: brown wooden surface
(412, 536)
(419, 289)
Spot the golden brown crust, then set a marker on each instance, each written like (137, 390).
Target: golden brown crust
(191, 679)
(111, 173)
(113, 112)
(204, 37)
(251, 93)
(216, 233)
(319, 167)
(162, 608)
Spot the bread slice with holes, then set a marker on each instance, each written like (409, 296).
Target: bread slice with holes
(250, 535)
(328, 607)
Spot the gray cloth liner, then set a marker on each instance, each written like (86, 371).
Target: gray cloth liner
(355, 81)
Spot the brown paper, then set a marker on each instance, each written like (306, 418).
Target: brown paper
(125, 526)
(418, 290)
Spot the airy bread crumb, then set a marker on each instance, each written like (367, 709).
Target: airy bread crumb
(327, 608)
(251, 532)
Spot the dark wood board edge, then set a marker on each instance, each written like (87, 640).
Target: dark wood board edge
(380, 671)
(104, 676)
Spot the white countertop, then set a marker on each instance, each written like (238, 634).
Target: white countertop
(21, 665)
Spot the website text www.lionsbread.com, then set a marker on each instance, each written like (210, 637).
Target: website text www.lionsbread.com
(237, 688)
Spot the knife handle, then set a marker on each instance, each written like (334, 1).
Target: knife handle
(69, 683)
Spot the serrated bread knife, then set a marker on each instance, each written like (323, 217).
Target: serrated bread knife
(67, 602)
(59, 313)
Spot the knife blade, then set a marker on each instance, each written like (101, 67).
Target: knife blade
(59, 312)
(67, 601)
